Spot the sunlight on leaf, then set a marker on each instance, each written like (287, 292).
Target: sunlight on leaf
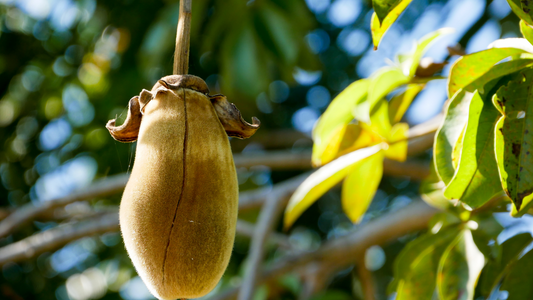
(470, 67)
(357, 136)
(337, 115)
(476, 179)
(398, 142)
(323, 180)
(412, 61)
(361, 185)
(379, 119)
(517, 43)
(399, 104)
(514, 139)
(383, 82)
(380, 28)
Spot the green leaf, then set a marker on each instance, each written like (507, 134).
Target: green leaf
(323, 180)
(398, 142)
(516, 6)
(476, 179)
(361, 185)
(415, 268)
(527, 31)
(380, 28)
(514, 139)
(448, 134)
(497, 268)
(459, 268)
(518, 282)
(472, 66)
(399, 104)
(498, 71)
(384, 7)
(411, 63)
(337, 115)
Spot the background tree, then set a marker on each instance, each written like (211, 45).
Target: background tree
(66, 67)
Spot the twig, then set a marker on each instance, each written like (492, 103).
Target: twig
(367, 282)
(247, 229)
(268, 216)
(345, 250)
(183, 37)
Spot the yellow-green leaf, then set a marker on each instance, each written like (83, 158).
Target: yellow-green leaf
(379, 119)
(527, 31)
(401, 102)
(382, 83)
(398, 142)
(472, 66)
(380, 28)
(323, 180)
(361, 185)
(448, 134)
(337, 115)
(476, 178)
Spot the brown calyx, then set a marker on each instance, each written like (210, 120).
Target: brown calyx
(228, 114)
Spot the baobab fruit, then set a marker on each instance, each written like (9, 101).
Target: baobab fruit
(179, 209)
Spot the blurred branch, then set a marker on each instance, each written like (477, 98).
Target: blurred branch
(56, 238)
(247, 229)
(183, 39)
(28, 212)
(276, 200)
(345, 250)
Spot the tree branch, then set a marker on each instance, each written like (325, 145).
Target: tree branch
(345, 250)
(183, 37)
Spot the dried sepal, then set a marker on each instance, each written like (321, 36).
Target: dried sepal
(129, 131)
(175, 82)
(232, 120)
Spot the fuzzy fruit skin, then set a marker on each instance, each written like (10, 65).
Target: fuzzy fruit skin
(179, 209)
